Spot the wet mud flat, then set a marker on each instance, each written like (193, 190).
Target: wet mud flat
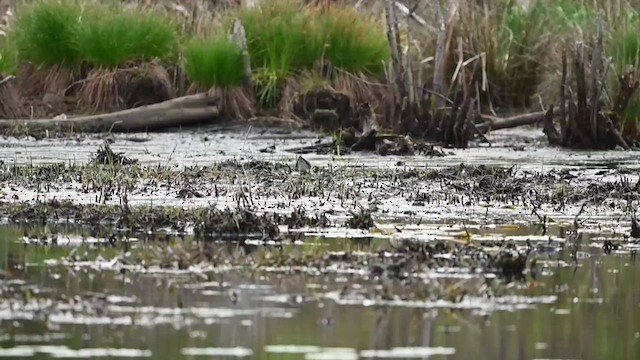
(514, 253)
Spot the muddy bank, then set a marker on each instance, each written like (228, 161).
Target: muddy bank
(211, 144)
(332, 187)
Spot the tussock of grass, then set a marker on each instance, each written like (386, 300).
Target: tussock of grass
(7, 57)
(214, 62)
(110, 37)
(286, 38)
(66, 33)
(45, 33)
(277, 33)
(351, 41)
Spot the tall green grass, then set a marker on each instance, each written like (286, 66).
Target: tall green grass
(351, 41)
(46, 33)
(214, 62)
(109, 36)
(277, 36)
(284, 38)
(7, 57)
(66, 33)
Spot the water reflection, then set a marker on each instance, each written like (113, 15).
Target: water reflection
(76, 312)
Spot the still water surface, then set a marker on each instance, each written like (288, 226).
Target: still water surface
(588, 311)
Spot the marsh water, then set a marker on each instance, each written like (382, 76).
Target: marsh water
(82, 296)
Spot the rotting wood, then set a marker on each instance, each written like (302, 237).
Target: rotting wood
(549, 128)
(183, 111)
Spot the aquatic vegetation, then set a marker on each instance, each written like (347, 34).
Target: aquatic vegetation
(66, 33)
(277, 36)
(623, 45)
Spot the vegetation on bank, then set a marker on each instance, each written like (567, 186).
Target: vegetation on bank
(518, 47)
(67, 33)
(285, 38)
(214, 62)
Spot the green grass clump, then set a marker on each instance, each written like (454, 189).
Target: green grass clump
(285, 37)
(110, 37)
(624, 43)
(7, 57)
(571, 16)
(278, 36)
(65, 32)
(45, 33)
(214, 62)
(351, 41)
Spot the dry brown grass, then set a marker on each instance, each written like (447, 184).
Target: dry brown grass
(45, 89)
(236, 103)
(125, 88)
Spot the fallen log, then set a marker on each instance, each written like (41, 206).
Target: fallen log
(183, 111)
(492, 123)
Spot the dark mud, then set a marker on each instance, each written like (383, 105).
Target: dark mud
(328, 190)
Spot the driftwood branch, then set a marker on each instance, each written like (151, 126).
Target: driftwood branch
(184, 111)
(496, 123)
